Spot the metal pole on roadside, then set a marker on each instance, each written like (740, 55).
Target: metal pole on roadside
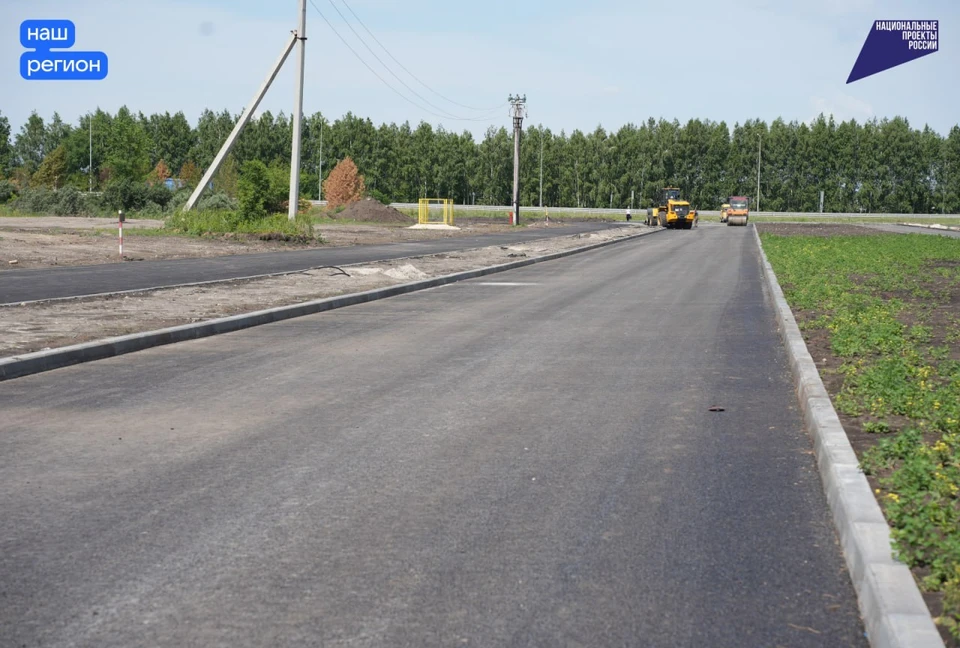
(297, 116)
(90, 168)
(120, 219)
(320, 172)
(759, 150)
(518, 104)
(541, 166)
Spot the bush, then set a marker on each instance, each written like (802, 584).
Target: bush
(253, 188)
(7, 191)
(38, 201)
(379, 196)
(217, 202)
(151, 209)
(200, 222)
(159, 194)
(125, 194)
(178, 199)
(70, 202)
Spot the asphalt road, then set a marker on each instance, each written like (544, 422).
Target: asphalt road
(903, 229)
(523, 460)
(48, 283)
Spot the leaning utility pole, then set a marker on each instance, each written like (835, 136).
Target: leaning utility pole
(298, 117)
(297, 37)
(519, 104)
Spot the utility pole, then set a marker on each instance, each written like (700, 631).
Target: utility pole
(298, 116)
(759, 149)
(576, 168)
(241, 123)
(320, 172)
(541, 166)
(519, 110)
(90, 168)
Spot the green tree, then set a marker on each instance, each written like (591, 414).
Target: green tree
(128, 147)
(53, 170)
(225, 180)
(55, 133)
(6, 151)
(30, 143)
(172, 138)
(252, 189)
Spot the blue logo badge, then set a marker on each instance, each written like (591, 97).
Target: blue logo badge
(47, 61)
(894, 42)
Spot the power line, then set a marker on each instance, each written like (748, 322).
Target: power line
(415, 77)
(445, 115)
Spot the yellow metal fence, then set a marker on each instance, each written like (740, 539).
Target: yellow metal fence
(436, 211)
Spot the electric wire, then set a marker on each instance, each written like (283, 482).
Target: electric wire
(386, 83)
(414, 76)
(387, 67)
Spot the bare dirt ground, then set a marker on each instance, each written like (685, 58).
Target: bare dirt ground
(37, 326)
(816, 229)
(68, 241)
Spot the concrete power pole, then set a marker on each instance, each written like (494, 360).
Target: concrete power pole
(541, 167)
(759, 149)
(292, 41)
(519, 110)
(298, 116)
(90, 168)
(320, 171)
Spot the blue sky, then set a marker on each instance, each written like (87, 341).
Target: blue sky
(580, 64)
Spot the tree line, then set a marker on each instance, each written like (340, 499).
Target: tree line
(876, 166)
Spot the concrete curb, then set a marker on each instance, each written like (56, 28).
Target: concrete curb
(893, 610)
(31, 363)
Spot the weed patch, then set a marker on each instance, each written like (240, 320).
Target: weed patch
(881, 315)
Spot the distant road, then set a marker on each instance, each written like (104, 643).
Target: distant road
(902, 229)
(620, 211)
(46, 283)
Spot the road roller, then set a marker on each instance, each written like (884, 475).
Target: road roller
(738, 211)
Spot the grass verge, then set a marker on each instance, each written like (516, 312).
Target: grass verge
(882, 315)
(275, 227)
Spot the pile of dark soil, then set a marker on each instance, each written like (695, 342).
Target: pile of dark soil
(371, 211)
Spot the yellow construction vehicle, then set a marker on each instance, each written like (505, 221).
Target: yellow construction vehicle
(739, 211)
(724, 208)
(671, 211)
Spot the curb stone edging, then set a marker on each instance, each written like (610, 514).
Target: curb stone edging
(40, 361)
(893, 611)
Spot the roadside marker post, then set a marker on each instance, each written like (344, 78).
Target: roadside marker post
(120, 223)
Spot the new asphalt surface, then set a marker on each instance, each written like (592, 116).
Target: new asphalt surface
(525, 459)
(48, 283)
